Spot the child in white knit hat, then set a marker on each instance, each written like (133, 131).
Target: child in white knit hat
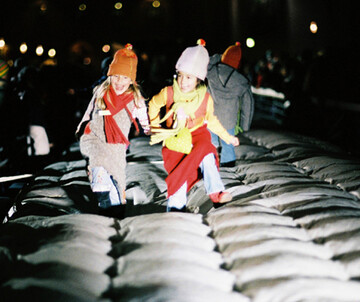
(116, 103)
(189, 107)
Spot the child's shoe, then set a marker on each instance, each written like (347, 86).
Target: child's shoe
(173, 209)
(220, 197)
(103, 199)
(229, 164)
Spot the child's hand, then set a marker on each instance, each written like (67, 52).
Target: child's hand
(147, 131)
(235, 141)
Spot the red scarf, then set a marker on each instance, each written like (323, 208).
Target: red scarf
(115, 103)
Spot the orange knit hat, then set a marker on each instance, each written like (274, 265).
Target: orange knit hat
(232, 56)
(124, 63)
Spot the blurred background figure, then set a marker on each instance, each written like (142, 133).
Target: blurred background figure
(4, 71)
(233, 99)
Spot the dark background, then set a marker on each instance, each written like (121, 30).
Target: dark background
(281, 25)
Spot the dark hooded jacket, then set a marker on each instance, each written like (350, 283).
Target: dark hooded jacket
(231, 92)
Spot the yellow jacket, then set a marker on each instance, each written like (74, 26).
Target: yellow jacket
(213, 124)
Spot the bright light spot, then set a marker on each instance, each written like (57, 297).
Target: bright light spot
(320, 53)
(118, 5)
(49, 62)
(2, 43)
(287, 104)
(87, 61)
(23, 48)
(106, 48)
(39, 50)
(156, 3)
(43, 7)
(250, 42)
(82, 7)
(313, 27)
(51, 52)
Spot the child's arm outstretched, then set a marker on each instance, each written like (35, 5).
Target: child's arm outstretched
(215, 126)
(155, 104)
(142, 115)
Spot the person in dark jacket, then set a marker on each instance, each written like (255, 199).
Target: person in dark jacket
(233, 99)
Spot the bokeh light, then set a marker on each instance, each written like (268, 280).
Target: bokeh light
(156, 4)
(23, 48)
(250, 42)
(39, 50)
(82, 7)
(52, 53)
(87, 61)
(313, 27)
(43, 7)
(106, 48)
(118, 5)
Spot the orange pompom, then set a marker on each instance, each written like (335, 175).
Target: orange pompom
(201, 42)
(129, 46)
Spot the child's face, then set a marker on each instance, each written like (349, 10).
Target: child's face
(120, 83)
(187, 82)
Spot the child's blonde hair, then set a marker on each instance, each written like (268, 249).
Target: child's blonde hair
(100, 90)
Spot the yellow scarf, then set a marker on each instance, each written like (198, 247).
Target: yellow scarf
(190, 102)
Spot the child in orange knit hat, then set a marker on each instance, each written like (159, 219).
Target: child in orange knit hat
(115, 105)
(233, 99)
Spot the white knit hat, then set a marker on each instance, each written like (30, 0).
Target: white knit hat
(194, 60)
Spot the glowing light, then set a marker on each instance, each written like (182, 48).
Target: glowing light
(250, 42)
(52, 53)
(43, 7)
(87, 61)
(106, 48)
(118, 5)
(23, 48)
(49, 62)
(313, 27)
(2, 43)
(82, 7)
(39, 50)
(320, 53)
(156, 3)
